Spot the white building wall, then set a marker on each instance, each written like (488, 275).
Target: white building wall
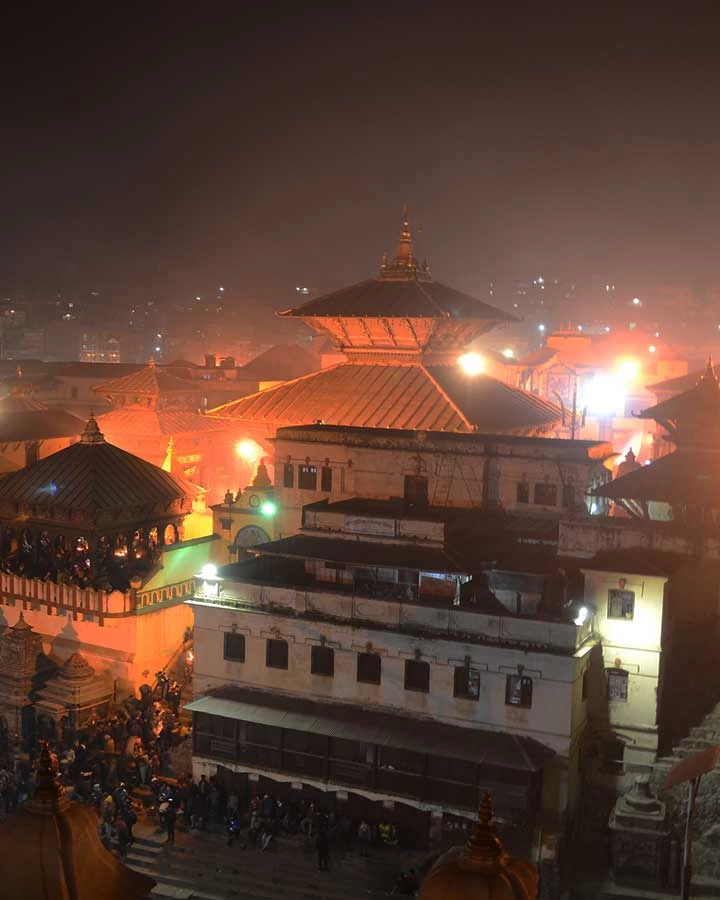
(634, 646)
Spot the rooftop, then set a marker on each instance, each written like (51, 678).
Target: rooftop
(407, 397)
(150, 381)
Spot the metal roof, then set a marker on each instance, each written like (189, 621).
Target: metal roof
(415, 397)
(386, 729)
(363, 553)
(375, 298)
(24, 419)
(90, 475)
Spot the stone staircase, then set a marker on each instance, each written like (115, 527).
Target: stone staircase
(202, 867)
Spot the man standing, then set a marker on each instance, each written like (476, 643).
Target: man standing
(170, 817)
(322, 845)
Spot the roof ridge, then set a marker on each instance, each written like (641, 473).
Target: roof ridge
(448, 398)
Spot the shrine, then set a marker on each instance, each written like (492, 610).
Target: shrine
(20, 649)
(402, 335)
(91, 515)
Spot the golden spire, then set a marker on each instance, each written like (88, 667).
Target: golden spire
(404, 252)
(483, 849)
(404, 266)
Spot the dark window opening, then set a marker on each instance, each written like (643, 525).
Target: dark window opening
(546, 494)
(307, 478)
(417, 675)
(234, 647)
(621, 604)
(322, 661)
(585, 684)
(617, 685)
(523, 492)
(416, 490)
(326, 479)
(369, 667)
(467, 683)
(288, 475)
(276, 654)
(568, 495)
(518, 691)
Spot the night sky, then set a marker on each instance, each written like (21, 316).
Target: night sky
(143, 155)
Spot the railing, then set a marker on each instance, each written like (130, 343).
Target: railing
(35, 594)
(403, 615)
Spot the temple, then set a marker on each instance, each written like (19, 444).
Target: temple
(401, 334)
(682, 485)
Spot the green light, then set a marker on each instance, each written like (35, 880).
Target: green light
(268, 508)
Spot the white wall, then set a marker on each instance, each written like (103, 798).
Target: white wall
(633, 645)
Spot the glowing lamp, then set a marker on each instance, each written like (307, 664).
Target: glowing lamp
(209, 570)
(471, 363)
(652, 348)
(248, 450)
(508, 353)
(268, 508)
(582, 616)
(604, 396)
(628, 369)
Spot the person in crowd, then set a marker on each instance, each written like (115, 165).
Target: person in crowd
(364, 837)
(322, 845)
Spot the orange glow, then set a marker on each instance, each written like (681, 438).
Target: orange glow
(471, 363)
(628, 369)
(248, 450)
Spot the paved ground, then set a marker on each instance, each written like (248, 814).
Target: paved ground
(201, 866)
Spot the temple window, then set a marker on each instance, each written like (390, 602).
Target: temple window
(307, 478)
(617, 685)
(523, 491)
(621, 604)
(276, 654)
(467, 683)
(416, 490)
(322, 661)
(545, 494)
(518, 691)
(234, 647)
(417, 675)
(369, 667)
(326, 476)
(288, 475)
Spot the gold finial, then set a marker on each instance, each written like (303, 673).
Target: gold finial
(49, 795)
(92, 433)
(484, 847)
(383, 262)
(404, 250)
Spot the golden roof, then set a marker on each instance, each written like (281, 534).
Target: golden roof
(481, 870)
(51, 851)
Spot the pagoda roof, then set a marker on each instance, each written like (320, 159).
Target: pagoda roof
(692, 416)
(25, 419)
(141, 422)
(376, 298)
(90, 475)
(681, 383)
(683, 478)
(149, 381)
(279, 363)
(440, 398)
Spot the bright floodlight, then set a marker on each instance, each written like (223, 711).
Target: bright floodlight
(209, 570)
(247, 450)
(628, 369)
(471, 363)
(508, 353)
(652, 348)
(604, 396)
(636, 301)
(541, 327)
(268, 508)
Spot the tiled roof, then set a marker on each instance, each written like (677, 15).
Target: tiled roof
(279, 363)
(150, 381)
(144, 422)
(406, 299)
(439, 398)
(90, 475)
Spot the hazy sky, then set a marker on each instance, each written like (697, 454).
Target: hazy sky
(166, 153)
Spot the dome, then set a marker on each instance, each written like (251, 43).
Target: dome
(481, 870)
(52, 851)
(76, 667)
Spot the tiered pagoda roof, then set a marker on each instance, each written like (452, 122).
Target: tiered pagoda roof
(692, 417)
(147, 383)
(401, 333)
